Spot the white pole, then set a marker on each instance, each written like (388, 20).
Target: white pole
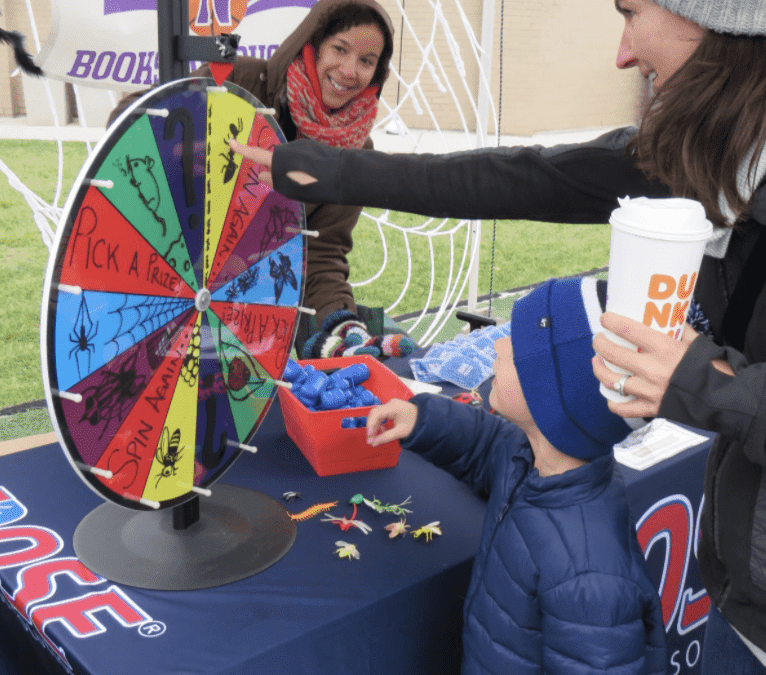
(482, 124)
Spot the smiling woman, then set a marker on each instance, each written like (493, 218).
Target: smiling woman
(324, 82)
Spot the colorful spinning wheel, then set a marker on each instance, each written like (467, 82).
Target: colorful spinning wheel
(170, 305)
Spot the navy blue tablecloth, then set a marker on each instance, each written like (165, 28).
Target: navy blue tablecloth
(397, 609)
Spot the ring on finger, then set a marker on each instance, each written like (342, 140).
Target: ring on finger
(619, 386)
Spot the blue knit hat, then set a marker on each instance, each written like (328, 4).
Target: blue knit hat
(552, 332)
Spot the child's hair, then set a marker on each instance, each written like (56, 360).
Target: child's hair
(350, 16)
(552, 332)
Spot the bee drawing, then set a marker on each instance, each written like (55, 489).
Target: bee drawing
(168, 454)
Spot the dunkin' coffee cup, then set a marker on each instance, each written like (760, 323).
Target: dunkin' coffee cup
(654, 257)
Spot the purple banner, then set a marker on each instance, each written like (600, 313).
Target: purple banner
(254, 6)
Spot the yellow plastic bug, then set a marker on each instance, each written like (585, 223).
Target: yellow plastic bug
(346, 550)
(428, 530)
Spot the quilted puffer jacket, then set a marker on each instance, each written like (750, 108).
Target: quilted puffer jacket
(559, 585)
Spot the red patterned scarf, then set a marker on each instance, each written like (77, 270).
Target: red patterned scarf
(347, 127)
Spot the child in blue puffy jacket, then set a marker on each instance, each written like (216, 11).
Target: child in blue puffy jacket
(559, 585)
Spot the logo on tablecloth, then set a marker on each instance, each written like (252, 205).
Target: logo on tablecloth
(668, 537)
(39, 598)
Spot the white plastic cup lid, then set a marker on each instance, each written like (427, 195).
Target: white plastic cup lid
(673, 219)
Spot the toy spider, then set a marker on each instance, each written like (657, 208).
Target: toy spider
(397, 528)
(290, 496)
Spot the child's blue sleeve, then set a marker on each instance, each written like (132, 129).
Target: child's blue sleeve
(462, 439)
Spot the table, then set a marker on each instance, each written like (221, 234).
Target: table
(395, 610)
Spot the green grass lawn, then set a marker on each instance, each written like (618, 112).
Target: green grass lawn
(525, 253)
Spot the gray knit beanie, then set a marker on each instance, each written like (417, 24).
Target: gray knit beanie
(740, 17)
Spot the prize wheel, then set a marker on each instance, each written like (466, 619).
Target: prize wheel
(171, 301)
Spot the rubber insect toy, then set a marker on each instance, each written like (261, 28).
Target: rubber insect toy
(347, 523)
(428, 531)
(472, 397)
(397, 528)
(376, 505)
(313, 511)
(291, 496)
(346, 550)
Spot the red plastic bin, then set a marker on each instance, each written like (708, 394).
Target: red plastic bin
(328, 447)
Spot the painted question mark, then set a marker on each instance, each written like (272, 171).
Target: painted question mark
(183, 116)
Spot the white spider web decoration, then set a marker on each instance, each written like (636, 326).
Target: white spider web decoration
(437, 99)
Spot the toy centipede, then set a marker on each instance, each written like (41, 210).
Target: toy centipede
(313, 511)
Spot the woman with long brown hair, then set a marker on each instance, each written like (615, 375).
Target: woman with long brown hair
(702, 137)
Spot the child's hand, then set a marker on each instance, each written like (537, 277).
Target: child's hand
(401, 413)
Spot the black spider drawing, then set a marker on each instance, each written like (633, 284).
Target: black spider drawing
(82, 338)
(168, 453)
(230, 168)
(113, 396)
(282, 271)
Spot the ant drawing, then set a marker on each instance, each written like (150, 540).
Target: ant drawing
(81, 337)
(282, 271)
(230, 168)
(168, 454)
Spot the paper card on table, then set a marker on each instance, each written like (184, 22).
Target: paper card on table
(654, 443)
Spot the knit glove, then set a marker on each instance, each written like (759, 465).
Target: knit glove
(343, 333)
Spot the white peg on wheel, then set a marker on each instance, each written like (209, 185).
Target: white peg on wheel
(97, 182)
(307, 310)
(68, 395)
(67, 288)
(193, 488)
(242, 446)
(307, 233)
(104, 473)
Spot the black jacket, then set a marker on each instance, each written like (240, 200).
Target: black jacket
(580, 184)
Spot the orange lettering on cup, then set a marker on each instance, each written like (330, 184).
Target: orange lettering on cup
(679, 312)
(685, 291)
(654, 313)
(656, 290)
